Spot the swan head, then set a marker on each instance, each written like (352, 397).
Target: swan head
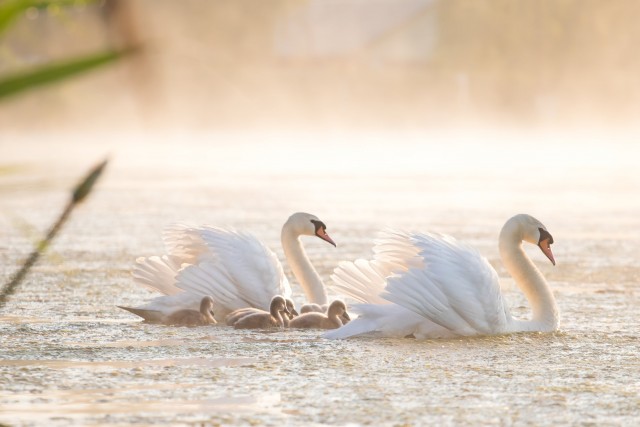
(534, 232)
(304, 224)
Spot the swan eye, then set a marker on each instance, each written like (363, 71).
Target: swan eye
(545, 235)
(319, 225)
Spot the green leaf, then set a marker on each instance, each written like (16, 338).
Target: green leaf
(54, 72)
(12, 9)
(84, 188)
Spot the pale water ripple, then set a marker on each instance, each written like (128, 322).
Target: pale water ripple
(69, 357)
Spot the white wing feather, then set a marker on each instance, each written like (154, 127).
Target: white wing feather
(235, 268)
(457, 289)
(389, 320)
(364, 280)
(242, 273)
(185, 242)
(157, 273)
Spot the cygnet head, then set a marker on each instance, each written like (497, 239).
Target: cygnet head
(206, 305)
(278, 304)
(338, 308)
(304, 224)
(534, 232)
(291, 307)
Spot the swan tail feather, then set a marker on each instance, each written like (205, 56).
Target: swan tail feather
(151, 316)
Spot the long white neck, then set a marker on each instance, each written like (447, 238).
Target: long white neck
(302, 267)
(530, 281)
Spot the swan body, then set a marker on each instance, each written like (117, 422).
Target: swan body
(430, 285)
(332, 320)
(236, 315)
(234, 267)
(274, 318)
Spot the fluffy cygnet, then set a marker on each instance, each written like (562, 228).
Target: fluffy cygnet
(262, 320)
(189, 317)
(312, 307)
(238, 314)
(331, 320)
(317, 308)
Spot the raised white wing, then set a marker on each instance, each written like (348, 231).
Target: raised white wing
(364, 280)
(241, 271)
(457, 288)
(184, 246)
(185, 243)
(157, 273)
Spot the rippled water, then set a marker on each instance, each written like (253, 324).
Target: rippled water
(68, 356)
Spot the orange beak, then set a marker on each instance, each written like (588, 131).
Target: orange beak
(545, 247)
(321, 233)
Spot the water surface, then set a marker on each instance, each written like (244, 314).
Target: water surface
(68, 356)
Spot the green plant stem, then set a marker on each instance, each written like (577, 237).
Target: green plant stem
(79, 193)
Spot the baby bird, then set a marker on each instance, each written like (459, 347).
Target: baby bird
(189, 317)
(238, 314)
(312, 307)
(331, 320)
(263, 320)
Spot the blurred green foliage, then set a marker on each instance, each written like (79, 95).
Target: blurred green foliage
(10, 11)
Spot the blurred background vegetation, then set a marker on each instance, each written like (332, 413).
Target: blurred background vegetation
(258, 64)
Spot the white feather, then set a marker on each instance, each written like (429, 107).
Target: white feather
(440, 287)
(365, 280)
(235, 268)
(458, 290)
(157, 273)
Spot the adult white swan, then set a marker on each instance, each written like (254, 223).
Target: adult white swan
(433, 286)
(234, 267)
